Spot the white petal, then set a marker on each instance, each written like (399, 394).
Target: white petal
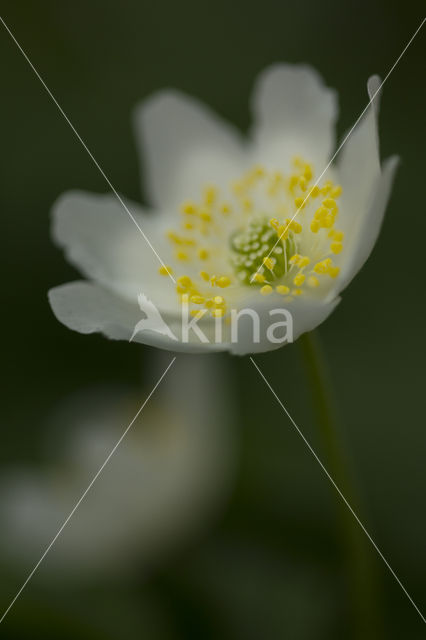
(306, 313)
(366, 191)
(102, 241)
(365, 234)
(294, 114)
(183, 146)
(358, 167)
(89, 308)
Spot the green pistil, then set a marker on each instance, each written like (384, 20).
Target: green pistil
(256, 242)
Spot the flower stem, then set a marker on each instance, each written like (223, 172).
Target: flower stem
(361, 577)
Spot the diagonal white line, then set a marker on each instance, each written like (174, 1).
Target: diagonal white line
(337, 489)
(80, 500)
(345, 139)
(86, 148)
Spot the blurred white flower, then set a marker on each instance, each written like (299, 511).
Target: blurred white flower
(223, 217)
(171, 475)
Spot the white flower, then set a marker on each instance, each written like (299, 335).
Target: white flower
(223, 206)
(170, 476)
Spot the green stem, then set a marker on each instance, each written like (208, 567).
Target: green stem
(361, 577)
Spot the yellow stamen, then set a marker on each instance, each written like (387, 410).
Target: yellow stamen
(330, 203)
(165, 271)
(303, 262)
(185, 281)
(223, 282)
(336, 247)
(336, 191)
(282, 289)
(189, 208)
(333, 272)
(300, 203)
(269, 263)
(203, 254)
(218, 313)
(266, 290)
(182, 256)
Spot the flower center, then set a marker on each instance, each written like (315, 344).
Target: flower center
(225, 243)
(259, 254)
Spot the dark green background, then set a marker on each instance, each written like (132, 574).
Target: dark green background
(245, 578)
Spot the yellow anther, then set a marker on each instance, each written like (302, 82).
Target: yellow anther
(314, 192)
(328, 221)
(266, 290)
(188, 241)
(297, 292)
(313, 281)
(197, 299)
(299, 279)
(295, 226)
(333, 272)
(294, 181)
(218, 313)
(274, 223)
(298, 162)
(205, 215)
(303, 183)
(225, 209)
(223, 282)
(205, 276)
(315, 226)
(247, 204)
(269, 263)
(188, 225)
(165, 270)
(203, 254)
(303, 262)
(299, 202)
(295, 259)
(336, 247)
(326, 188)
(308, 173)
(336, 191)
(282, 289)
(173, 237)
(258, 277)
(184, 281)
(198, 313)
(209, 303)
(338, 236)
(210, 194)
(282, 231)
(219, 300)
(258, 171)
(321, 267)
(320, 213)
(213, 280)
(182, 256)
(330, 203)
(188, 207)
